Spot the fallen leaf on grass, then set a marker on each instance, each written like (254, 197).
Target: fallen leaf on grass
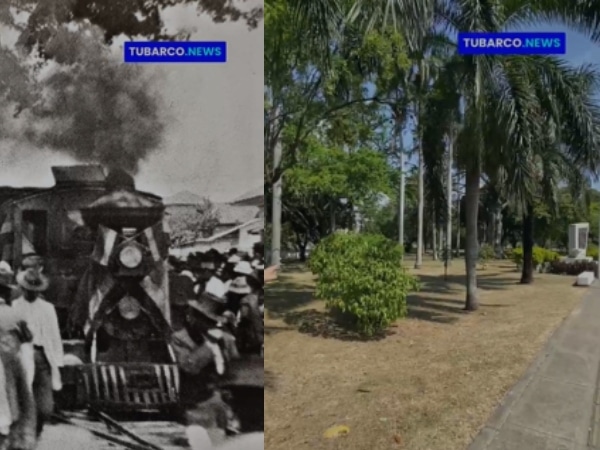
(337, 431)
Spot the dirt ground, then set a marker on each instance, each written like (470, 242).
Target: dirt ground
(430, 385)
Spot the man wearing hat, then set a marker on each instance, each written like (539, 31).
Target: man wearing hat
(245, 299)
(28, 261)
(48, 350)
(17, 406)
(203, 352)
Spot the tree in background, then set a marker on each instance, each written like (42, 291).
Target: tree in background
(188, 225)
(61, 86)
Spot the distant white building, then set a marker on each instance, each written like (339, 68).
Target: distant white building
(241, 223)
(243, 237)
(255, 197)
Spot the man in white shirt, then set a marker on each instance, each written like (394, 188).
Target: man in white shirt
(48, 351)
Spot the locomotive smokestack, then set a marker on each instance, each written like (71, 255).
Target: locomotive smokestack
(119, 180)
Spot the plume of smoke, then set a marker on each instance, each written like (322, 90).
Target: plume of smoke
(91, 105)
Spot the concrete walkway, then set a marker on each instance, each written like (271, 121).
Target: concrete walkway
(556, 405)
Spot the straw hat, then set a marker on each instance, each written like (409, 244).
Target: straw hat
(240, 286)
(243, 268)
(32, 280)
(212, 301)
(187, 273)
(234, 259)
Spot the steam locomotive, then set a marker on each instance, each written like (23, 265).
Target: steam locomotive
(105, 250)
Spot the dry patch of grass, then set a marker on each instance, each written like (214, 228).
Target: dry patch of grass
(430, 385)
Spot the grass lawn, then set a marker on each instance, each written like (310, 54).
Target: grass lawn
(430, 385)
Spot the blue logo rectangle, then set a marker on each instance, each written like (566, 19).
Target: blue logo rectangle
(512, 43)
(175, 52)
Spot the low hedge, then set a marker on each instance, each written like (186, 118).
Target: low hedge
(572, 268)
(540, 256)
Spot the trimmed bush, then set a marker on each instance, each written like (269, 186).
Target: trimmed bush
(361, 276)
(573, 268)
(509, 253)
(540, 256)
(517, 256)
(486, 253)
(592, 252)
(551, 256)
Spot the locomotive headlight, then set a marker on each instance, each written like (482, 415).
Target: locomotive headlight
(131, 257)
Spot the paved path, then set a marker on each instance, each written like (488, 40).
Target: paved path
(556, 405)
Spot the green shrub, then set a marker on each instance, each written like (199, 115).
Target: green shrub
(551, 256)
(572, 268)
(486, 253)
(517, 256)
(361, 276)
(540, 256)
(592, 252)
(509, 253)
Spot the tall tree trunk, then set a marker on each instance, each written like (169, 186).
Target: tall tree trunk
(421, 203)
(449, 191)
(457, 253)
(498, 248)
(434, 237)
(302, 252)
(473, 176)
(527, 269)
(484, 232)
(401, 206)
(276, 212)
(332, 217)
(357, 220)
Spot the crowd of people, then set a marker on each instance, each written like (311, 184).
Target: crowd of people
(218, 330)
(218, 304)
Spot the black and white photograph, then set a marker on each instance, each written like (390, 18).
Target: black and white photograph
(131, 228)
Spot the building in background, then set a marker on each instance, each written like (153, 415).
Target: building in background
(255, 197)
(221, 226)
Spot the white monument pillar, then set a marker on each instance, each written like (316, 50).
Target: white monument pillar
(578, 240)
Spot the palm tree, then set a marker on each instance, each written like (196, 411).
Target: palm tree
(442, 124)
(484, 79)
(564, 126)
